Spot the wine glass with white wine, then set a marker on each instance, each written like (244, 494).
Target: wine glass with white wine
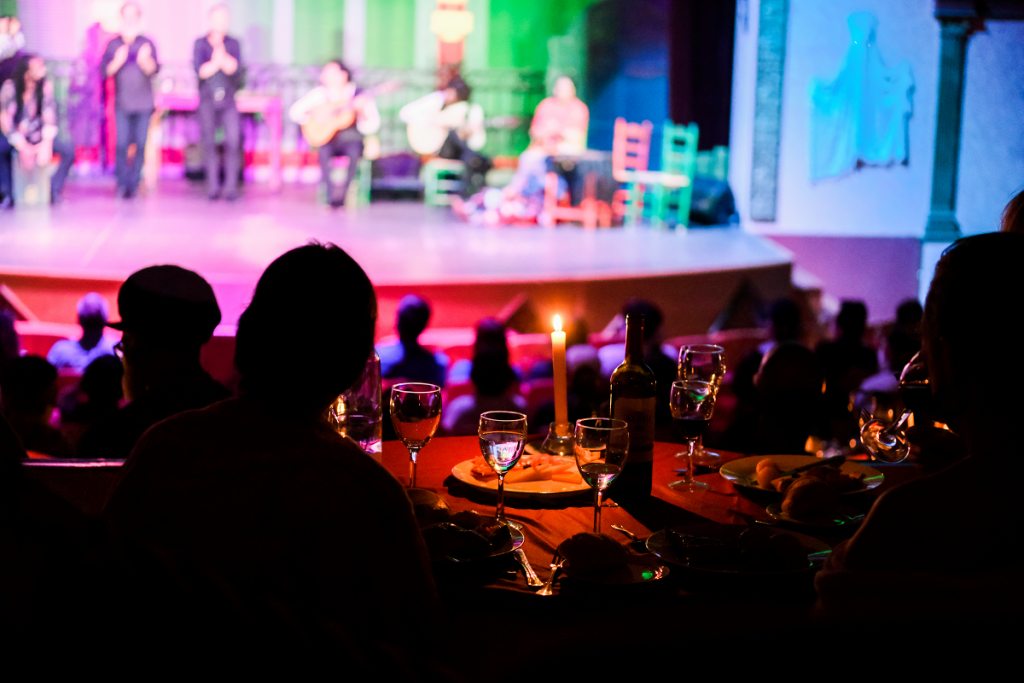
(502, 439)
(601, 447)
(415, 413)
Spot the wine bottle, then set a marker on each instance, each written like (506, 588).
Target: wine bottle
(634, 391)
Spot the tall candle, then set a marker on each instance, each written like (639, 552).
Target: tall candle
(558, 363)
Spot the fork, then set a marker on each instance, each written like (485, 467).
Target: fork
(556, 566)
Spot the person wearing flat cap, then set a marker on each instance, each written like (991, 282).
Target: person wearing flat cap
(167, 314)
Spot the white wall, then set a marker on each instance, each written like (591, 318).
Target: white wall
(992, 139)
(893, 201)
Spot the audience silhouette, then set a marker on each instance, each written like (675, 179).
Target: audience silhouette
(407, 359)
(847, 361)
(941, 550)
(494, 382)
(264, 494)
(167, 314)
(76, 354)
(28, 395)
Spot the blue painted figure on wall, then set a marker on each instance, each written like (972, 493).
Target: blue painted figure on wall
(860, 117)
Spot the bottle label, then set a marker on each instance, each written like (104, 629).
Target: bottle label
(639, 415)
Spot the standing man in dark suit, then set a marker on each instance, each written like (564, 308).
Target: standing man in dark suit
(218, 61)
(130, 59)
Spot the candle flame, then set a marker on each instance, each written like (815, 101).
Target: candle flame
(558, 323)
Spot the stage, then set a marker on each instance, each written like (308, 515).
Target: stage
(92, 242)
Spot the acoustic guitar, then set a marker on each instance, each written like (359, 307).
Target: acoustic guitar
(325, 120)
(427, 138)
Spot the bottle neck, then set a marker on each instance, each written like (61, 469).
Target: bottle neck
(634, 339)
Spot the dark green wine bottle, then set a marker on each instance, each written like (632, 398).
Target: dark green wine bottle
(634, 391)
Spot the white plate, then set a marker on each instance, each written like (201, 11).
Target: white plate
(743, 472)
(546, 488)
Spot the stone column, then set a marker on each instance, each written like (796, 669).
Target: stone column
(942, 224)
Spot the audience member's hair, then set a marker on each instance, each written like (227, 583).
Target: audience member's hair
(461, 88)
(967, 312)
(10, 344)
(101, 381)
(18, 76)
(28, 385)
(650, 313)
(413, 316)
(1013, 215)
(909, 314)
(93, 311)
(307, 364)
(785, 317)
(492, 375)
(341, 65)
(852, 319)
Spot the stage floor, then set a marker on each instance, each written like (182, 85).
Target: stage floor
(93, 237)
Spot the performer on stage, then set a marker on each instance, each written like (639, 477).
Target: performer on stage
(11, 37)
(28, 120)
(218, 61)
(327, 105)
(130, 59)
(562, 119)
(445, 124)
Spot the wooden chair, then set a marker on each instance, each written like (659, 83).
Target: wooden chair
(591, 211)
(675, 181)
(631, 150)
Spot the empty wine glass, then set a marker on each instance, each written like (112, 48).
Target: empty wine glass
(601, 447)
(705, 362)
(415, 413)
(692, 402)
(502, 439)
(887, 439)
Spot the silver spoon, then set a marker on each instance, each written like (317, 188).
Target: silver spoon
(531, 576)
(556, 566)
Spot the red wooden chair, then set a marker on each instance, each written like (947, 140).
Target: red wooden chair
(631, 150)
(592, 212)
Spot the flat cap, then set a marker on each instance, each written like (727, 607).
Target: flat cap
(168, 301)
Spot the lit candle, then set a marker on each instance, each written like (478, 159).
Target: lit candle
(558, 363)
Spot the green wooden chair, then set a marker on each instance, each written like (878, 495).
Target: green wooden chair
(442, 181)
(714, 163)
(674, 184)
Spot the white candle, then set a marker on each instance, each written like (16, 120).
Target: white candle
(558, 363)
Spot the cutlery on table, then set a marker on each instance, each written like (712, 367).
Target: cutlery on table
(751, 519)
(556, 566)
(637, 542)
(531, 576)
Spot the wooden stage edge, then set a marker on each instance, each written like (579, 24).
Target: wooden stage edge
(690, 301)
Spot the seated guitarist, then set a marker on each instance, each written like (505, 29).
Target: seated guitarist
(335, 94)
(455, 130)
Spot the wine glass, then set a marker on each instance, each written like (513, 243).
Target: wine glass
(502, 439)
(601, 446)
(705, 362)
(692, 402)
(887, 440)
(415, 413)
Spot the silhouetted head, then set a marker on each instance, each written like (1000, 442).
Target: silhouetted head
(1013, 215)
(302, 367)
(971, 328)
(789, 371)
(651, 315)
(28, 387)
(492, 375)
(852, 320)
(413, 317)
(167, 314)
(909, 314)
(785, 320)
(92, 311)
(101, 382)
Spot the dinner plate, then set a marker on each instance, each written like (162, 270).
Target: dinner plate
(527, 489)
(743, 472)
(660, 545)
(637, 570)
(841, 516)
